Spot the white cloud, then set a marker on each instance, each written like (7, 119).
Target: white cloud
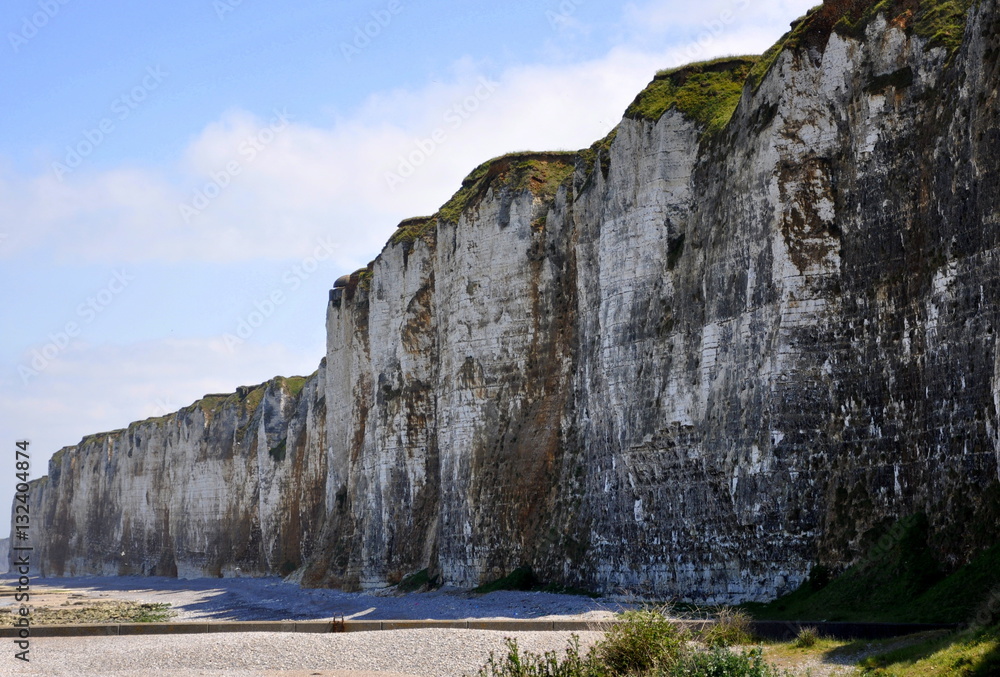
(306, 182)
(98, 388)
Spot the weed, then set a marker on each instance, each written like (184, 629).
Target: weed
(152, 613)
(898, 581)
(95, 612)
(295, 384)
(411, 230)
(421, 580)
(643, 640)
(278, 452)
(720, 662)
(732, 628)
(806, 638)
(541, 173)
(940, 22)
(973, 653)
(526, 664)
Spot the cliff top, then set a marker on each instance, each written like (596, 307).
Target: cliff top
(541, 173)
(247, 397)
(707, 92)
(940, 22)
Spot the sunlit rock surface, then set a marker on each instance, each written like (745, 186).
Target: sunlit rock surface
(683, 364)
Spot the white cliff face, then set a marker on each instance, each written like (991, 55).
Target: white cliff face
(232, 485)
(691, 367)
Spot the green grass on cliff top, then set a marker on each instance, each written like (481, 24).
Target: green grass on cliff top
(541, 173)
(940, 22)
(707, 92)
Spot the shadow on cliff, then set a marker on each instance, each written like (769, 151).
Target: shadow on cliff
(258, 599)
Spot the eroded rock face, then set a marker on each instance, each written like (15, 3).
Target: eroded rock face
(715, 362)
(233, 485)
(685, 364)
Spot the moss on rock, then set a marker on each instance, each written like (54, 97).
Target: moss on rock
(541, 173)
(410, 230)
(940, 22)
(707, 92)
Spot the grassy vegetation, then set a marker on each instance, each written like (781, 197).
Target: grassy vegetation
(807, 638)
(644, 643)
(940, 22)
(899, 583)
(541, 173)
(972, 653)
(524, 579)
(521, 578)
(410, 230)
(210, 404)
(278, 453)
(253, 398)
(599, 152)
(294, 384)
(364, 276)
(732, 628)
(707, 92)
(94, 612)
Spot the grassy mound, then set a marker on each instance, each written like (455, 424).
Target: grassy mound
(707, 92)
(541, 173)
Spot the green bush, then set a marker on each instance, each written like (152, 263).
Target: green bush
(806, 638)
(731, 628)
(721, 662)
(644, 644)
(642, 641)
(527, 664)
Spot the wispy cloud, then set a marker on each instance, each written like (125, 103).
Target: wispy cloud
(310, 182)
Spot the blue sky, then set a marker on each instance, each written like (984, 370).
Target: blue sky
(164, 169)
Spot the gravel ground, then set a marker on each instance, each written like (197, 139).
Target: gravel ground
(266, 599)
(400, 652)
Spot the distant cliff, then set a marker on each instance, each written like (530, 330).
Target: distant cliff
(743, 334)
(231, 485)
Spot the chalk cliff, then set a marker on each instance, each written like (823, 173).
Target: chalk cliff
(743, 334)
(231, 485)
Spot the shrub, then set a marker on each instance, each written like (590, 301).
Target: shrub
(527, 664)
(644, 644)
(721, 662)
(731, 628)
(642, 641)
(806, 638)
